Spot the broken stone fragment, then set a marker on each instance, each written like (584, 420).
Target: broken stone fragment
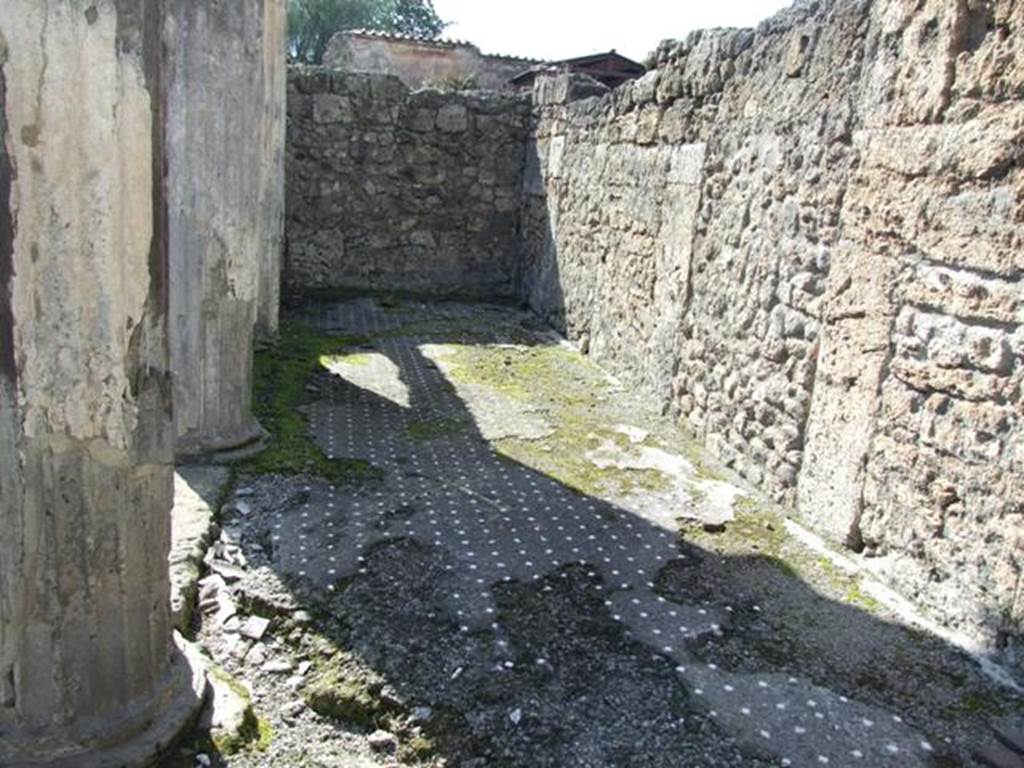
(229, 716)
(226, 553)
(255, 627)
(257, 655)
(235, 646)
(235, 508)
(210, 586)
(382, 741)
(224, 610)
(230, 573)
(421, 714)
(215, 599)
(277, 667)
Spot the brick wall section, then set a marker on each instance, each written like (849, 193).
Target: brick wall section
(389, 189)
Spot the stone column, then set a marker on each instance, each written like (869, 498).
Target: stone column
(89, 670)
(225, 155)
(272, 154)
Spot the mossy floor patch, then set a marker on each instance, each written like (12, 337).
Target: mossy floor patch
(360, 359)
(281, 376)
(550, 373)
(569, 390)
(436, 429)
(563, 457)
(759, 530)
(581, 402)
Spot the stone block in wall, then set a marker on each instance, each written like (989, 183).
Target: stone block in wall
(423, 120)
(452, 118)
(914, 46)
(852, 355)
(561, 87)
(331, 108)
(947, 191)
(942, 490)
(991, 68)
(931, 59)
(965, 293)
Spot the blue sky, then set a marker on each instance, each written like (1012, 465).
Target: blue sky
(558, 29)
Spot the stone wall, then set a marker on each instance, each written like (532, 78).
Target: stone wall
(421, 63)
(225, 132)
(392, 189)
(806, 240)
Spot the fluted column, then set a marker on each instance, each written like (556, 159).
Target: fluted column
(89, 670)
(226, 141)
(272, 150)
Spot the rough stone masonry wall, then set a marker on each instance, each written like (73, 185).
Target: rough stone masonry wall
(807, 241)
(397, 190)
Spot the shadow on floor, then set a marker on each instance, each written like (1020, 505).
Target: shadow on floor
(486, 614)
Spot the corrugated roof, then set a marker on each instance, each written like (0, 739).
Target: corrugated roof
(632, 68)
(612, 54)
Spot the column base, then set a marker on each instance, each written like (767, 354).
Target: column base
(132, 739)
(243, 444)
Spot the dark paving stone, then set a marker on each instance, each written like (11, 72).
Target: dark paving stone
(1011, 734)
(998, 756)
(502, 524)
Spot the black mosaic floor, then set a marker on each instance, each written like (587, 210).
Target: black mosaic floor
(499, 522)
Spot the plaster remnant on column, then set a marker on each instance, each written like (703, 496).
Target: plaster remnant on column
(225, 153)
(90, 672)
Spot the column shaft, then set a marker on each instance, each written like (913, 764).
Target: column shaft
(89, 670)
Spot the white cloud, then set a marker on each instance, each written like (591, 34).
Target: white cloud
(559, 29)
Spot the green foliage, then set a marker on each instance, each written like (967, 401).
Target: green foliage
(412, 17)
(312, 23)
(345, 691)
